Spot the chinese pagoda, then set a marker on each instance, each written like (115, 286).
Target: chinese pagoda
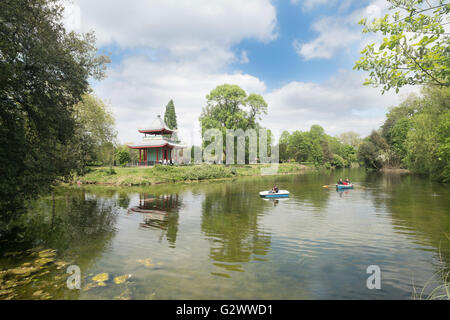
(157, 145)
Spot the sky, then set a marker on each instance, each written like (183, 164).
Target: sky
(298, 54)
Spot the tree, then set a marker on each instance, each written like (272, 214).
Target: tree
(415, 49)
(170, 117)
(427, 143)
(122, 155)
(229, 107)
(93, 117)
(373, 151)
(283, 144)
(44, 72)
(350, 138)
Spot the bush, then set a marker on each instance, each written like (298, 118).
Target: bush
(338, 161)
(122, 156)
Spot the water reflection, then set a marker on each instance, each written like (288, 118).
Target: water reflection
(224, 241)
(77, 227)
(232, 227)
(415, 204)
(159, 213)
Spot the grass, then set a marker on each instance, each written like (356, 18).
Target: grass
(438, 285)
(165, 174)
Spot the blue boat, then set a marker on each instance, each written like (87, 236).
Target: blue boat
(270, 194)
(343, 186)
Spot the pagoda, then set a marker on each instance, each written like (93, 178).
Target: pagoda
(157, 145)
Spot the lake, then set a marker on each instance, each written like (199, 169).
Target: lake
(220, 240)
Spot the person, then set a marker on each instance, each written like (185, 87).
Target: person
(347, 181)
(340, 181)
(275, 189)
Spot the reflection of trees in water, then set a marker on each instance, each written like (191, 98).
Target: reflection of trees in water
(123, 200)
(78, 226)
(232, 226)
(163, 216)
(418, 204)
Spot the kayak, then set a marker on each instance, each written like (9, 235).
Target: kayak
(343, 186)
(279, 194)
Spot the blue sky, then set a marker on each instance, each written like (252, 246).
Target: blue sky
(277, 63)
(298, 54)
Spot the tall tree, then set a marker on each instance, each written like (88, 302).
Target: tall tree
(44, 71)
(94, 117)
(351, 138)
(415, 47)
(229, 107)
(170, 117)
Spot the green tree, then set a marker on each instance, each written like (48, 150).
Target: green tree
(95, 119)
(170, 117)
(415, 47)
(338, 161)
(373, 151)
(229, 107)
(283, 144)
(427, 142)
(122, 155)
(44, 72)
(350, 138)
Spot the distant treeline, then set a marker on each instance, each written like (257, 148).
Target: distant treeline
(316, 147)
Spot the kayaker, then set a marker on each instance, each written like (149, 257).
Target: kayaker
(340, 181)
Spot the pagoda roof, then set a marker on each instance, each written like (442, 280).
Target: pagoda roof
(157, 126)
(155, 142)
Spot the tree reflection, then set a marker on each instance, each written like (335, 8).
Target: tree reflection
(418, 204)
(232, 226)
(78, 226)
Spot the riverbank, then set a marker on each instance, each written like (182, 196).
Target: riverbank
(164, 174)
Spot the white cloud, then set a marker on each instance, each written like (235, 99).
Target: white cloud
(244, 57)
(185, 28)
(340, 104)
(333, 36)
(337, 33)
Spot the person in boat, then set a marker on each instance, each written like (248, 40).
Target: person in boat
(340, 181)
(347, 181)
(274, 189)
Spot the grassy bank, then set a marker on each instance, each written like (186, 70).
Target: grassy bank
(164, 174)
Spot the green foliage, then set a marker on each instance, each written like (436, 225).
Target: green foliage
(122, 155)
(316, 147)
(44, 73)
(373, 151)
(350, 138)
(415, 47)
(229, 107)
(170, 117)
(338, 161)
(428, 140)
(200, 172)
(416, 134)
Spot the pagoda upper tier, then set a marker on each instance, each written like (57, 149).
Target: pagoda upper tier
(157, 127)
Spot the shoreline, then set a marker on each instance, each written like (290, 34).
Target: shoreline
(146, 176)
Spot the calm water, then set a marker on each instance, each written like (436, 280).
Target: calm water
(220, 240)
